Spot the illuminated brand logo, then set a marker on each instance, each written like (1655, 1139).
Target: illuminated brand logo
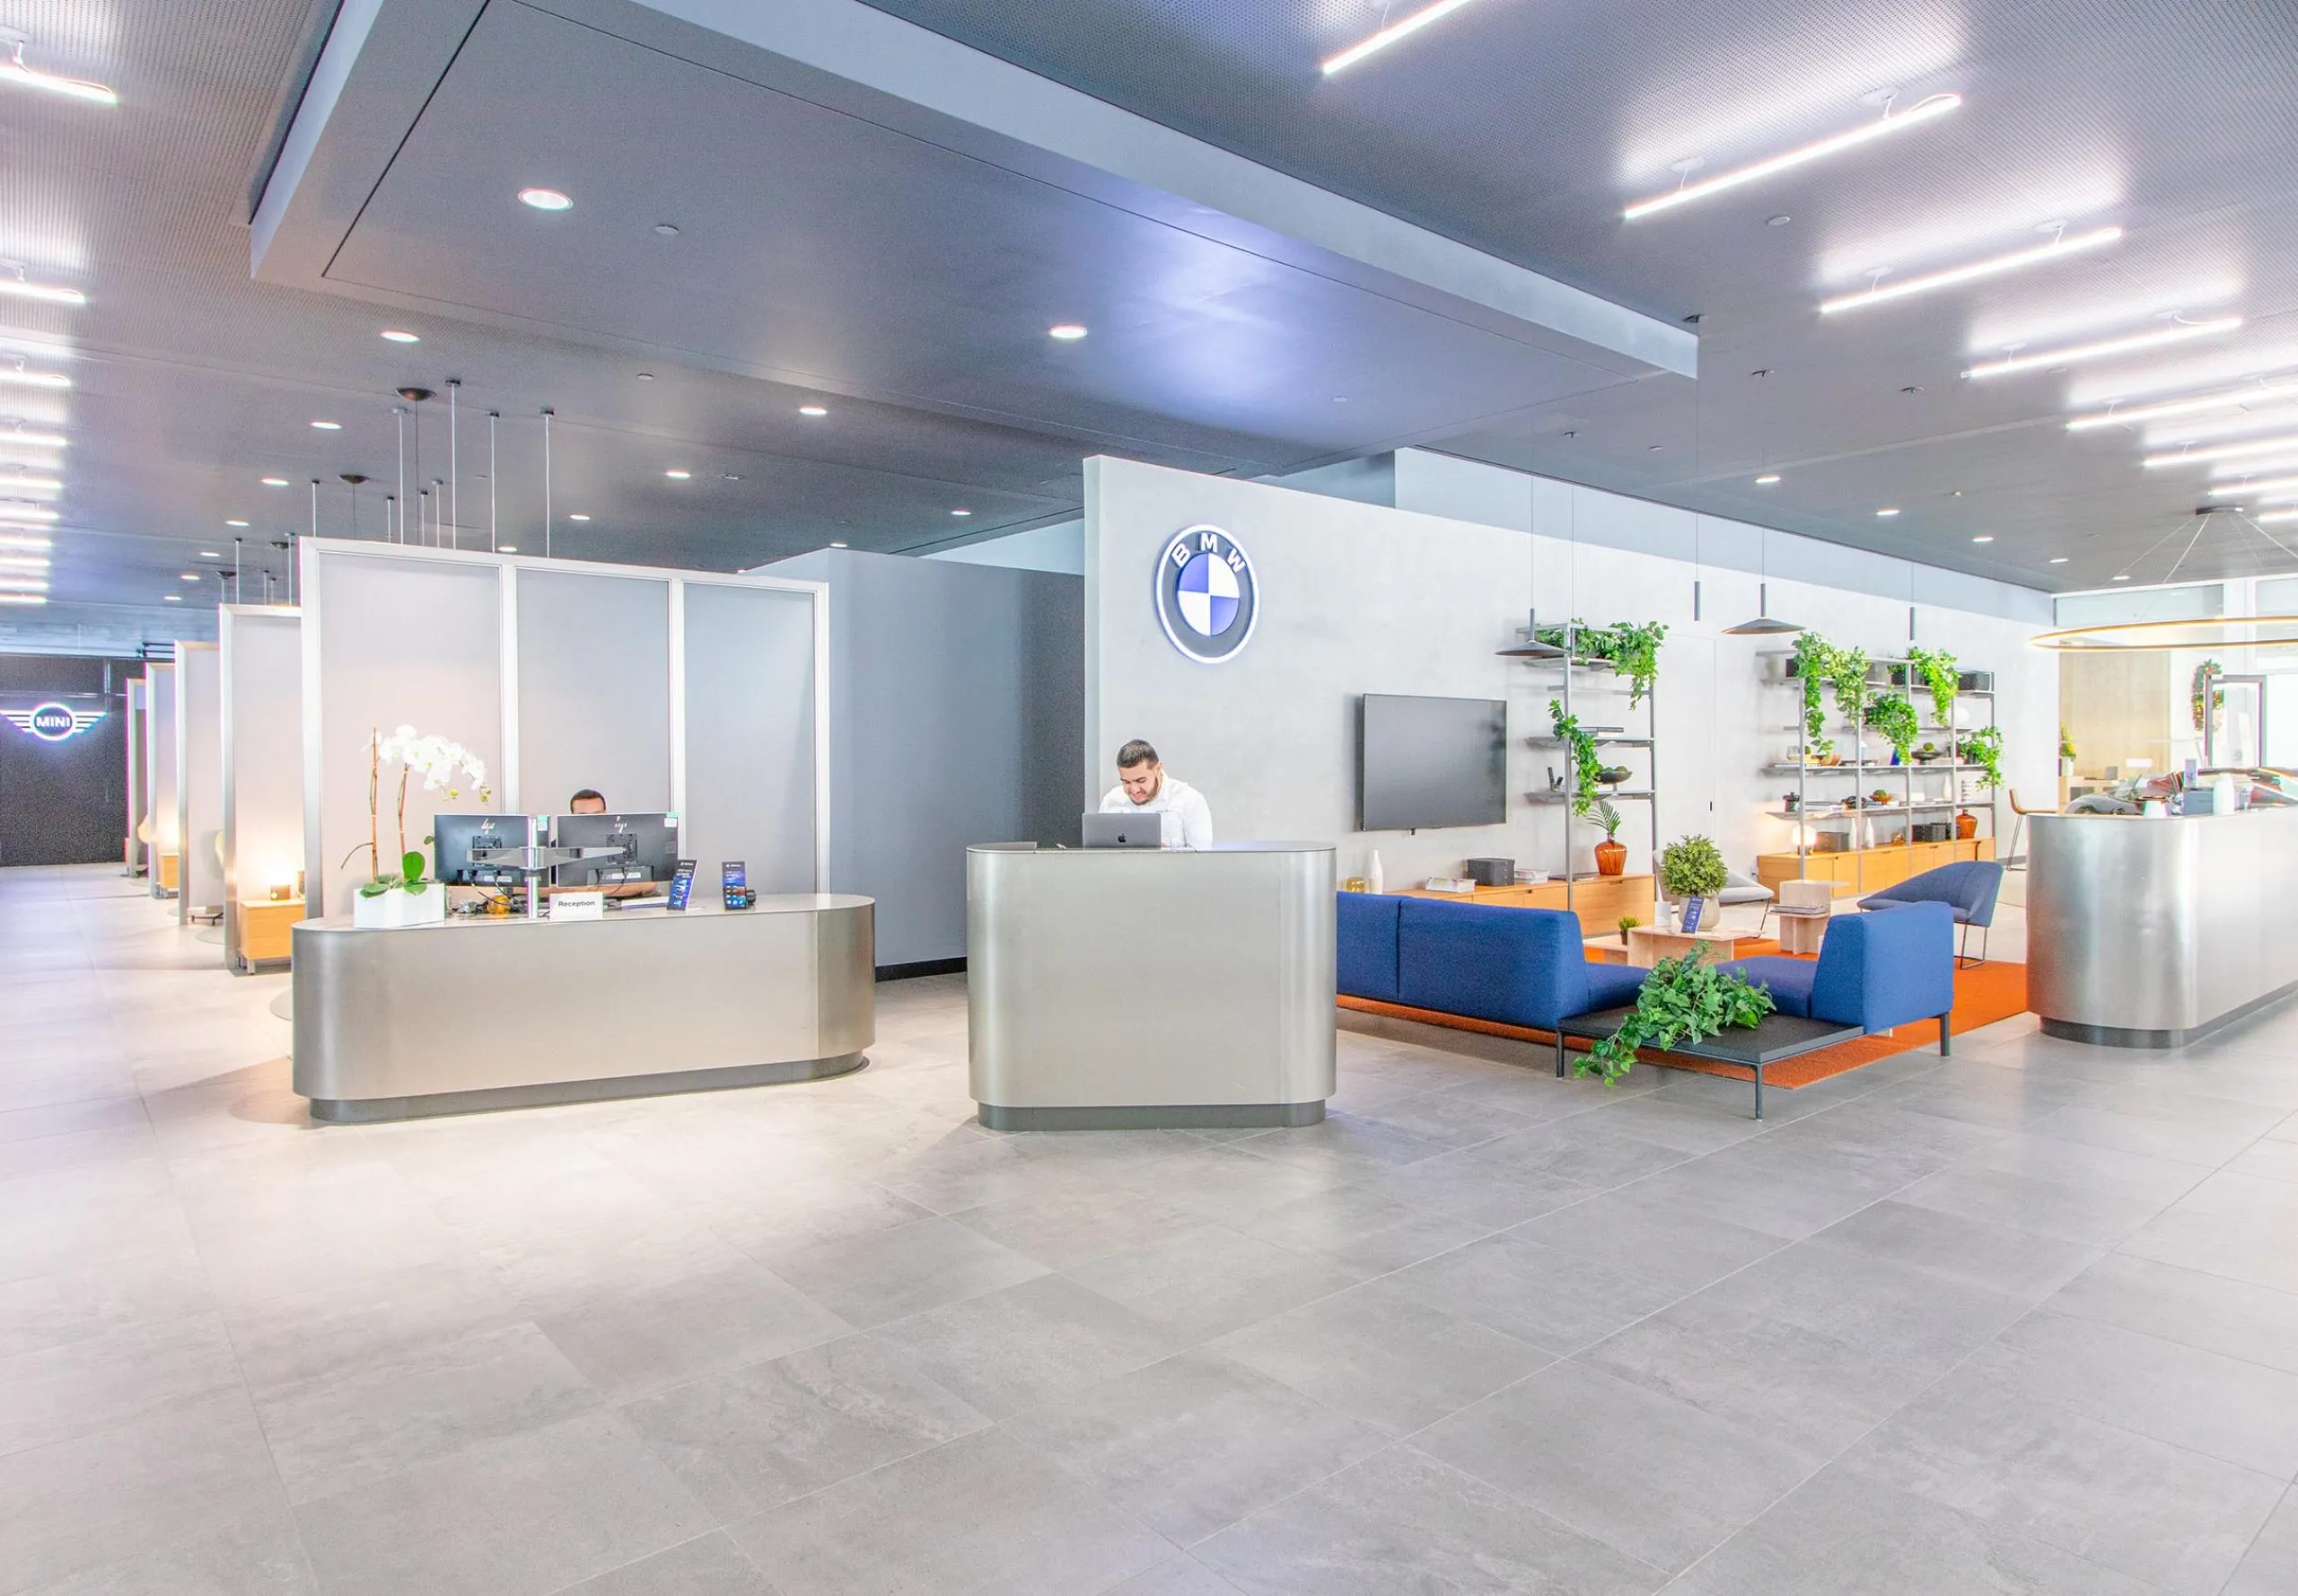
(1207, 596)
(52, 721)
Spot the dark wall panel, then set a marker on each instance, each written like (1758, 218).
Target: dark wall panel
(64, 802)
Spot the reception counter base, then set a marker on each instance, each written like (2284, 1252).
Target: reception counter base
(2114, 1036)
(496, 1014)
(1154, 1117)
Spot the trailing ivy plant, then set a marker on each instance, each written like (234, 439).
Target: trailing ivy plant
(1812, 652)
(1682, 1000)
(1895, 717)
(1984, 749)
(1630, 648)
(1936, 666)
(1587, 765)
(1847, 675)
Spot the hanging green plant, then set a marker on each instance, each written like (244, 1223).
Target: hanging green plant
(2202, 672)
(1847, 675)
(1682, 1000)
(1937, 667)
(1587, 765)
(1895, 717)
(1984, 749)
(1812, 652)
(1630, 648)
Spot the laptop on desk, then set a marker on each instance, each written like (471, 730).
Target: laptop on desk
(1125, 831)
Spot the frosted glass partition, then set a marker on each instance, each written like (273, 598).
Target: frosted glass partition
(756, 775)
(199, 779)
(136, 796)
(390, 639)
(262, 654)
(664, 689)
(593, 690)
(158, 764)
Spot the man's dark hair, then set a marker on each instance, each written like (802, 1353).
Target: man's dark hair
(591, 794)
(1135, 752)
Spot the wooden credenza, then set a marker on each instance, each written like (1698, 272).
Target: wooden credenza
(1599, 900)
(1857, 872)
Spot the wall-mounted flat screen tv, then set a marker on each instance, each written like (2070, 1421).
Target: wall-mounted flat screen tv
(1426, 762)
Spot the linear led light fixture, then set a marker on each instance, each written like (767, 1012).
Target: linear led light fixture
(25, 515)
(23, 562)
(25, 540)
(16, 287)
(2276, 516)
(13, 70)
(2234, 398)
(23, 597)
(2200, 456)
(1992, 267)
(2107, 347)
(37, 484)
(17, 377)
(1936, 106)
(35, 440)
(2270, 485)
(1391, 33)
(23, 585)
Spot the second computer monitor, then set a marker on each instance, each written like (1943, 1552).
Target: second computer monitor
(650, 841)
(454, 837)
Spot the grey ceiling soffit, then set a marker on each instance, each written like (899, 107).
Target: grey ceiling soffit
(382, 61)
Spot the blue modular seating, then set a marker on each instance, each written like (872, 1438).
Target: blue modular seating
(1968, 887)
(1874, 971)
(1525, 966)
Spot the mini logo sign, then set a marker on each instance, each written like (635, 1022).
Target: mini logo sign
(52, 721)
(1207, 599)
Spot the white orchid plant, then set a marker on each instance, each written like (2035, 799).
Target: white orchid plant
(441, 764)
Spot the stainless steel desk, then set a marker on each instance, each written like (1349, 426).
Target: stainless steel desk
(2152, 932)
(491, 1012)
(1116, 987)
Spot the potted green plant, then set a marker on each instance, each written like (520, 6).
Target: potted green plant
(1692, 867)
(1984, 749)
(1809, 666)
(2206, 671)
(1937, 667)
(1630, 648)
(1627, 923)
(1682, 1000)
(1611, 854)
(1895, 717)
(2065, 752)
(408, 897)
(1587, 765)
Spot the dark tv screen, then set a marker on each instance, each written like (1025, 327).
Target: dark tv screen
(1426, 762)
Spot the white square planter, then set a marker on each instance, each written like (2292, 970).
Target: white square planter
(397, 908)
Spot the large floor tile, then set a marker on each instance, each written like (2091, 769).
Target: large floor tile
(709, 1564)
(1402, 1521)
(983, 1516)
(1951, 1247)
(1559, 1301)
(1674, 1247)
(655, 1333)
(2270, 1567)
(102, 1295)
(2241, 1320)
(754, 1438)
(1190, 1445)
(1646, 1475)
(1874, 1305)
(1365, 1230)
(1029, 1344)
(2236, 1225)
(99, 1381)
(531, 1513)
(1377, 1353)
(889, 1273)
(1205, 1280)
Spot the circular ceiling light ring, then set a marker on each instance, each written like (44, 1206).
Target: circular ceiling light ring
(2141, 637)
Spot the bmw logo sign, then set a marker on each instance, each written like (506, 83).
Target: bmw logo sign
(1206, 596)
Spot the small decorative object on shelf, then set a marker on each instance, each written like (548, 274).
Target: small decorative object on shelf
(407, 896)
(1966, 825)
(1627, 923)
(1611, 854)
(1372, 881)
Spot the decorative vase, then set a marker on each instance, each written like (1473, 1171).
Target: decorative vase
(1966, 826)
(398, 909)
(1612, 857)
(1372, 881)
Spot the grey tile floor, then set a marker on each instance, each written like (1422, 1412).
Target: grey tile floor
(2021, 1321)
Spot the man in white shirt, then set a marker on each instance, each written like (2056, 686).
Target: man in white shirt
(1143, 787)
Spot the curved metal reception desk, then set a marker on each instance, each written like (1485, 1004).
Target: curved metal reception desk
(2151, 933)
(487, 1014)
(1116, 988)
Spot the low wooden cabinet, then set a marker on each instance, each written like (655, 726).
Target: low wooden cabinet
(167, 872)
(1599, 900)
(1858, 872)
(267, 929)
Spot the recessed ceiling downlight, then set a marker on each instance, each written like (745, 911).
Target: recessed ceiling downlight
(1767, 479)
(327, 427)
(813, 411)
(545, 199)
(578, 516)
(1887, 510)
(675, 475)
(275, 481)
(1068, 333)
(235, 523)
(399, 336)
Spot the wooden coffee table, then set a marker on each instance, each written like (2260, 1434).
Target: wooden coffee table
(1648, 944)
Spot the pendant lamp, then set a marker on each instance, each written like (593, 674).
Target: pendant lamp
(1763, 625)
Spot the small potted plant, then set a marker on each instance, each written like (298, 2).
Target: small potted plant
(1691, 868)
(1611, 854)
(1627, 923)
(390, 900)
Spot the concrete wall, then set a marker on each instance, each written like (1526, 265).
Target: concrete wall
(956, 699)
(1363, 598)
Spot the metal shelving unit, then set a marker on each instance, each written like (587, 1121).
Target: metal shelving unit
(1570, 667)
(1859, 765)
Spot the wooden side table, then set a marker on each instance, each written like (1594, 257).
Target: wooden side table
(1800, 933)
(1648, 944)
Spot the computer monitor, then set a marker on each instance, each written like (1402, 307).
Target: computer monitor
(650, 844)
(453, 836)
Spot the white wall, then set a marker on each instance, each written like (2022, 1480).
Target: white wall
(1363, 598)
(199, 778)
(160, 764)
(1059, 549)
(261, 651)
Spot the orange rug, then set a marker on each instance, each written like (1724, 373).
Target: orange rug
(1984, 994)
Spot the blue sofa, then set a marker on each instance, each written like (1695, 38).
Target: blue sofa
(1968, 887)
(1523, 967)
(1876, 971)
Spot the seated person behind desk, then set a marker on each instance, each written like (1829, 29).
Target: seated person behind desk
(1143, 787)
(590, 801)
